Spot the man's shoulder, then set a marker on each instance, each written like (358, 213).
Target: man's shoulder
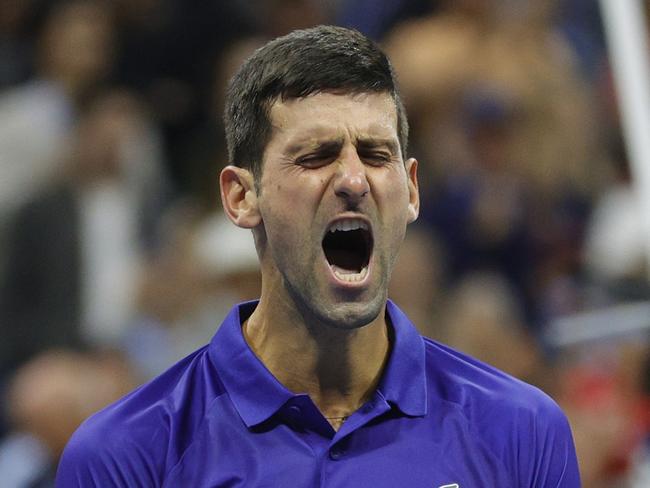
(141, 435)
(479, 388)
(518, 423)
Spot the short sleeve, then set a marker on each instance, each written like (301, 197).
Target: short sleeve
(550, 461)
(110, 460)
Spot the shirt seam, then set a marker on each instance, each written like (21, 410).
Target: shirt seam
(204, 420)
(477, 435)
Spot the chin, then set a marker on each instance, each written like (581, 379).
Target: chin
(338, 312)
(352, 315)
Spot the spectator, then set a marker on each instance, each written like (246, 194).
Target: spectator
(74, 55)
(75, 248)
(509, 137)
(187, 288)
(48, 398)
(483, 319)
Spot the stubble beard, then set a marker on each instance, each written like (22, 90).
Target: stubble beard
(316, 308)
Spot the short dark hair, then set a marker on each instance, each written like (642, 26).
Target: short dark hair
(305, 62)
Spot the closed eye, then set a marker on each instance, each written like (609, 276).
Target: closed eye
(316, 160)
(375, 158)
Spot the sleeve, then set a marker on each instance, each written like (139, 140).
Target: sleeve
(93, 460)
(550, 461)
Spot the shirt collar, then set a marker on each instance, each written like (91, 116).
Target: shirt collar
(254, 391)
(257, 394)
(404, 380)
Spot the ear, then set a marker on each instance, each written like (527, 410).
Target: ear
(414, 190)
(239, 197)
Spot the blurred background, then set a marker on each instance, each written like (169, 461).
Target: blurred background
(116, 261)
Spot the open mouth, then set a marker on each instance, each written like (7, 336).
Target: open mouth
(348, 246)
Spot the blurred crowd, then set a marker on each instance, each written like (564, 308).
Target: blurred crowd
(116, 261)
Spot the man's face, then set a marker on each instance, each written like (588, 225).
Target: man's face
(335, 198)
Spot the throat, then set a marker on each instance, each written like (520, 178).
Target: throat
(338, 369)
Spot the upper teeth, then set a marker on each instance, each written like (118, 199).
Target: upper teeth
(348, 224)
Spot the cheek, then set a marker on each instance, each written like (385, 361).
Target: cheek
(393, 210)
(286, 215)
(278, 223)
(395, 193)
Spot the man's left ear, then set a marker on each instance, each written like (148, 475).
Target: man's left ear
(239, 197)
(414, 191)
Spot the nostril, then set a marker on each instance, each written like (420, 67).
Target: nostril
(352, 196)
(352, 187)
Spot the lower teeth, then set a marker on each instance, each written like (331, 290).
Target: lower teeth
(350, 277)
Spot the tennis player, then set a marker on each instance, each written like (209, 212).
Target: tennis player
(323, 382)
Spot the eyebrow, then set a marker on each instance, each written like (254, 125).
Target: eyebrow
(329, 145)
(373, 143)
(335, 145)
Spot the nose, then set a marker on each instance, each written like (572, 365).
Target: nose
(351, 183)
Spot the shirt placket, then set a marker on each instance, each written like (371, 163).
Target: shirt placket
(341, 446)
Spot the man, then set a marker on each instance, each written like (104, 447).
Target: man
(323, 382)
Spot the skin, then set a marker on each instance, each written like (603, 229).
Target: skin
(330, 156)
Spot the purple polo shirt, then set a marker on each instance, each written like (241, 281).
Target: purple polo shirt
(219, 418)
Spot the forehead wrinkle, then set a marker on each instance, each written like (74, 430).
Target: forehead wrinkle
(375, 135)
(309, 129)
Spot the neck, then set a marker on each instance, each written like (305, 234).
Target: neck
(338, 368)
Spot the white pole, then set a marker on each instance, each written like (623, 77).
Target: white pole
(628, 320)
(627, 41)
